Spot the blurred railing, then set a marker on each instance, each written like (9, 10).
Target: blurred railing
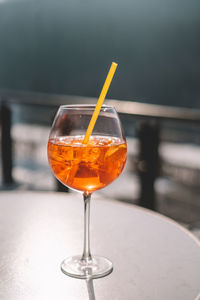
(149, 117)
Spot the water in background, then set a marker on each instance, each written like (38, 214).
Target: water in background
(66, 47)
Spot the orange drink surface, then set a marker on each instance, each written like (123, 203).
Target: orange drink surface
(87, 167)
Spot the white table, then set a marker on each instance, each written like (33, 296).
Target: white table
(154, 258)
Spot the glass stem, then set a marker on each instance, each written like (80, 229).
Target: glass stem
(86, 247)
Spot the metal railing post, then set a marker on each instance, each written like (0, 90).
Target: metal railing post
(6, 143)
(148, 162)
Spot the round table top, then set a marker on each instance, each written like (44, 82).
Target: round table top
(153, 257)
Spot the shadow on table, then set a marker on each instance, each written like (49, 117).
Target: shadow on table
(90, 288)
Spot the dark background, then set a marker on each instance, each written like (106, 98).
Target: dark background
(66, 47)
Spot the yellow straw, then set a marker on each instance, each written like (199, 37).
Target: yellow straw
(100, 102)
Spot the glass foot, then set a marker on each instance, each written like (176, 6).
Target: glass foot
(95, 268)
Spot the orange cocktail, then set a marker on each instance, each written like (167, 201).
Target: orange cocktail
(86, 152)
(86, 163)
(87, 167)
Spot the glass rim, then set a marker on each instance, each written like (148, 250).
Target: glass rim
(88, 106)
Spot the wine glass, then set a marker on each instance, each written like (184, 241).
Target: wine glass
(86, 168)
